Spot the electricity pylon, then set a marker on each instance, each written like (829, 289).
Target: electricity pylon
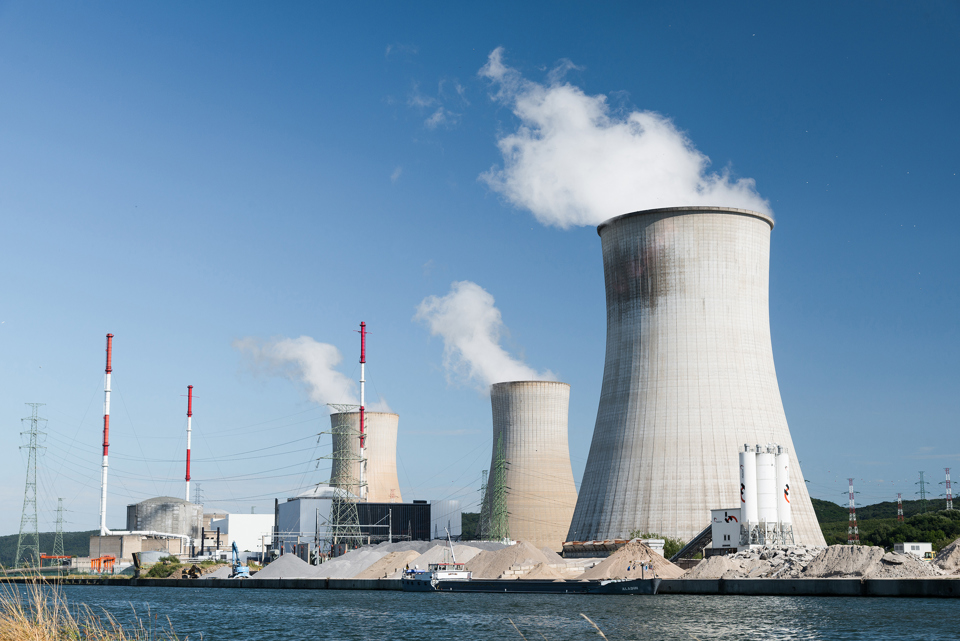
(499, 524)
(28, 545)
(58, 538)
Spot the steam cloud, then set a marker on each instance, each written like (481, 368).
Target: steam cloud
(306, 361)
(574, 162)
(471, 325)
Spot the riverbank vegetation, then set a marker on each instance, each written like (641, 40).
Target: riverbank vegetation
(39, 613)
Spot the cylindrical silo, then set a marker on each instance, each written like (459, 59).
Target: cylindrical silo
(530, 428)
(783, 487)
(689, 374)
(748, 486)
(766, 485)
(380, 449)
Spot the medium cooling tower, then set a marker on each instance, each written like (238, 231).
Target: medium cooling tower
(689, 375)
(381, 453)
(530, 424)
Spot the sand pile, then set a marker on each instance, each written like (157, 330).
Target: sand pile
(627, 562)
(771, 562)
(390, 566)
(493, 564)
(948, 559)
(356, 561)
(543, 572)
(288, 566)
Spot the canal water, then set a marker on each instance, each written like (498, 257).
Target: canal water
(224, 614)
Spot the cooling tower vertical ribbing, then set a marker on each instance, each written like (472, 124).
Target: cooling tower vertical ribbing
(531, 419)
(689, 374)
(381, 452)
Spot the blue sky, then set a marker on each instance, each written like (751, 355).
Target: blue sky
(186, 176)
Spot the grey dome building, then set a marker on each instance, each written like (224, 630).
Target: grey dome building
(689, 376)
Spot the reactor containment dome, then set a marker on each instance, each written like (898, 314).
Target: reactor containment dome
(688, 377)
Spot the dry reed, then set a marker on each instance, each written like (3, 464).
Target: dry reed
(40, 613)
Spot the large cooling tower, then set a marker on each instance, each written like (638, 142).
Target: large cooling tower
(537, 486)
(381, 454)
(689, 375)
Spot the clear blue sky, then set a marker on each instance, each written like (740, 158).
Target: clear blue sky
(187, 175)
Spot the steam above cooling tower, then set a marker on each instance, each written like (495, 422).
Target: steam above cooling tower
(531, 457)
(689, 375)
(380, 452)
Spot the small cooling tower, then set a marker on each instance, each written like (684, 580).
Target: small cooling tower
(530, 427)
(383, 485)
(688, 377)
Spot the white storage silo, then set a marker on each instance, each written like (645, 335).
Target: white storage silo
(748, 486)
(766, 485)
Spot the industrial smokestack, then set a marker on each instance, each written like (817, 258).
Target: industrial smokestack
(189, 424)
(530, 428)
(105, 465)
(380, 451)
(689, 374)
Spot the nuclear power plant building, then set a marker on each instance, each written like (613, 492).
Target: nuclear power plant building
(689, 376)
(380, 444)
(530, 436)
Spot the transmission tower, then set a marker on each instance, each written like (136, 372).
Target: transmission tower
(28, 545)
(949, 490)
(853, 533)
(899, 507)
(484, 512)
(58, 538)
(923, 492)
(197, 494)
(344, 519)
(499, 524)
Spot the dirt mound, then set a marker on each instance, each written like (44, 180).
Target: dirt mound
(627, 562)
(948, 558)
(392, 564)
(288, 566)
(897, 565)
(542, 572)
(492, 564)
(844, 561)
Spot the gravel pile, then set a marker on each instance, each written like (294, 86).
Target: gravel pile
(770, 562)
(390, 566)
(628, 562)
(441, 554)
(288, 566)
(948, 559)
(220, 573)
(899, 565)
(356, 561)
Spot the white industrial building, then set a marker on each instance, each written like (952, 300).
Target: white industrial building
(689, 375)
(249, 531)
(918, 548)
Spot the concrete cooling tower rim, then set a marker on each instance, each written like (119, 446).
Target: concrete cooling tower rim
(530, 383)
(704, 210)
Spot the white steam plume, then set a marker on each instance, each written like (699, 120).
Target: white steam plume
(574, 162)
(309, 362)
(470, 325)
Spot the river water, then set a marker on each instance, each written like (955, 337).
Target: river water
(247, 614)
